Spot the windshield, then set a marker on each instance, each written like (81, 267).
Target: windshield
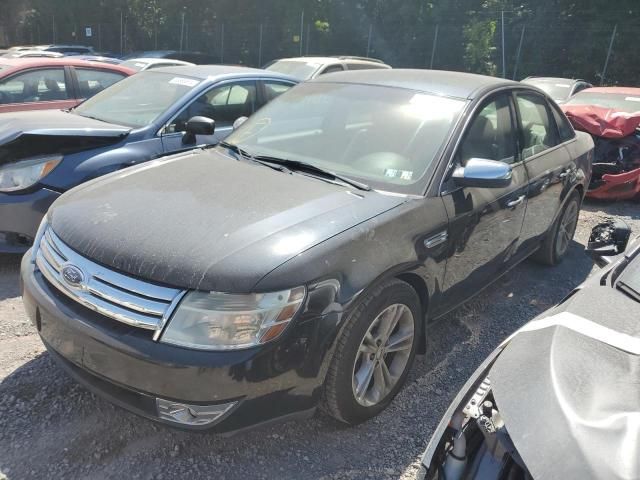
(136, 65)
(559, 90)
(137, 101)
(624, 103)
(295, 69)
(385, 137)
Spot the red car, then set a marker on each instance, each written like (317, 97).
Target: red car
(44, 83)
(612, 116)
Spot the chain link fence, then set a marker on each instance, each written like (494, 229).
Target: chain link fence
(577, 51)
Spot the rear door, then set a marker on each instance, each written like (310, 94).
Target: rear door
(484, 223)
(37, 89)
(224, 103)
(548, 163)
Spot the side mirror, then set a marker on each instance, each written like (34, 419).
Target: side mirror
(239, 121)
(608, 239)
(198, 126)
(482, 173)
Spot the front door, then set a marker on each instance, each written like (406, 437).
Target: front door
(484, 223)
(223, 103)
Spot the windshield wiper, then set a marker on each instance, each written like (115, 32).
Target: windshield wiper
(243, 154)
(308, 167)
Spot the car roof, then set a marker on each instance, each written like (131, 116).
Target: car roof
(439, 82)
(211, 72)
(553, 79)
(614, 90)
(153, 60)
(329, 60)
(16, 64)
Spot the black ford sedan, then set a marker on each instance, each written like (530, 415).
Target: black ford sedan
(299, 263)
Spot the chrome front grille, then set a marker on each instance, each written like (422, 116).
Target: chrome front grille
(114, 295)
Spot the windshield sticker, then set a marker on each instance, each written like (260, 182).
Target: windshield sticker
(563, 85)
(140, 64)
(313, 65)
(402, 174)
(187, 82)
(633, 99)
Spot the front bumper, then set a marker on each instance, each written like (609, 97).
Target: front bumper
(124, 365)
(20, 215)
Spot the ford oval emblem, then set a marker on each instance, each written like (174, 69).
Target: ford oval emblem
(72, 275)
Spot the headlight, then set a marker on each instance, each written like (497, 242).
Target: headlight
(25, 173)
(223, 321)
(36, 241)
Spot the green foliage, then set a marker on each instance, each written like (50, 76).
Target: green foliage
(561, 37)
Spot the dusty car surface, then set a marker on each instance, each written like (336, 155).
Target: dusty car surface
(306, 68)
(612, 116)
(294, 264)
(146, 116)
(560, 89)
(557, 400)
(43, 84)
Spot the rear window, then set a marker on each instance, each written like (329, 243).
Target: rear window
(617, 101)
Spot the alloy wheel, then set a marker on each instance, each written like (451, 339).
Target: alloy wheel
(383, 354)
(567, 228)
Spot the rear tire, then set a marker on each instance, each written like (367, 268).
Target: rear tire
(374, 353)
(557, 241)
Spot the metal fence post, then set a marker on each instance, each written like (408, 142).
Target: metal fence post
(260, 47)
(369, 39)
(515, 68)
(306, 45)
(433, 48)
(301, 30)
(606, 62)
(182, 30)
(504, 56)
(222, 43)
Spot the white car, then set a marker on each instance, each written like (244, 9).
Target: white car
(306, 68)
(141, 64)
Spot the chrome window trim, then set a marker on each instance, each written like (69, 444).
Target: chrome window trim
(117, 296)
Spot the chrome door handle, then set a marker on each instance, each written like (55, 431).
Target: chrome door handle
(516, 202)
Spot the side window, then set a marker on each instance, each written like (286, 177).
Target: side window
(491, 134)
(538, 133)
(564, 127)
(331, 69)
(224, 104)
(363, 66)
(93, 81)
(273, 89)
(44, 85)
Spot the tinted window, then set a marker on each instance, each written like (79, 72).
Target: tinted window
(538, 132)
(387, 137)
(564, 127)
(624, 103)
(43, 85)
(364, 66)
(332, 68)
(93, 81)
(137, 101)
(299, 70)
(224, 104)
(273, 89)
(490, 135)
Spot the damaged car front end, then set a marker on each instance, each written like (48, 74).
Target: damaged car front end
(558, 399)
(612, 117)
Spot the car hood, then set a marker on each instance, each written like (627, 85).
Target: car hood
(204, 220)
(601, 121)
(27, 134)
(567, 388)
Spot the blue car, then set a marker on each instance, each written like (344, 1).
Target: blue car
(146, 116)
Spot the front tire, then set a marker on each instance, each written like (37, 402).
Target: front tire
(556, 243)
(374, 353)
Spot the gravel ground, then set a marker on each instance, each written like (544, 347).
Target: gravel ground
(52, 428)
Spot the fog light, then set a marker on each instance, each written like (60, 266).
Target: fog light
(186, 414)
